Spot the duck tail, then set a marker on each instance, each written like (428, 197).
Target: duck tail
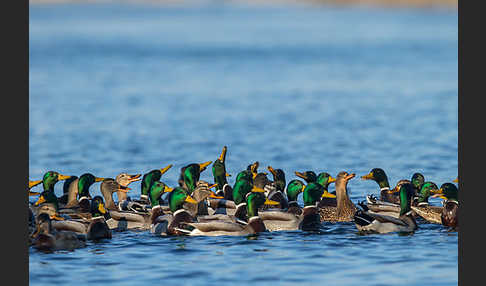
(362, 219)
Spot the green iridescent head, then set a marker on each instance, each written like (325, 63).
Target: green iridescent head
(177, 198)
(255, 200)
(379, 176)
(294, 188)
(325, 179)
(244, 175)
(240, 189)
(278, 178)
(447, 191)
(149, 178)
(418, 181)
(156, 192)
(98, 207)
(85, 181)
(219, 170)
(47, 197)
(308, 176)
(191, 173)
(406, 194)
(51, 178)
(426, 192)
(312, 194)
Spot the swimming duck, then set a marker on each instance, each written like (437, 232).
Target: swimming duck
(202, 193)
(379, 176)
(147, 181)
(46, 238)
(81, 190)
(370, 222)
(48, 181)
(345, 209)
(325, 179)
(219, 173)
(294, 188)
(98, 228)
(125, 179)
(421, 207)
(373, 205)
(307, 218)
(254, 200)
(450, 213)
(275, 190)
(418, 181)
(190, 175)
(170, 224)
(47, 203)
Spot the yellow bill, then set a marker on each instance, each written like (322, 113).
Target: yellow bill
(101, 208)
(301, 175)
(34, 183)
(98, 179)
(368, 177)
(327, 194)
(456, 180)
(228, 175)
(62, 177)
(203, 166)
(56, 217)
(168, 189)
(40, 200)
(271, 203)
(272, 170)
(189, 199)
(214, 196)
(222, 157)
(331, 180)
(212, 186)
(164, 170)
(257, 190)
(135, 178)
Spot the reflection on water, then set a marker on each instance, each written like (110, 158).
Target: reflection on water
(132, 88)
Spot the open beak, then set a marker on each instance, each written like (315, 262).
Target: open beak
(134, 178)
(350, 176)
(272, 170)
(62, 177)
(101, 208)
(271, 203)
(123, 189)
(222, 157)
(164, 170)
(189, 199)
(368, 177)
(168, 189)
(34, 183)
(301, 175)
(331, 180)
(40, 200)
(456, 180)
(257, 190)
(203, 166)
(99, 179)
(327, 194)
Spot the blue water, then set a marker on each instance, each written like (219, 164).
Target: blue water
(135, 87)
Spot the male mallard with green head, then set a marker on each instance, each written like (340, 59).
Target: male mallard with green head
(418, 181)
(147, 181)
(325, 179)
(81, 190)
(219, 173)
(450, 213)
(345, 209)
(421, 207)
(379, 176)
(370, 222)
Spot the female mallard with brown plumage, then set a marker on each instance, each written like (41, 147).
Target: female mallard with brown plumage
(46, 238)
(345, 209)
(370, 222)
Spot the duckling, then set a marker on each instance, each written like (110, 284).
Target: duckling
(379, 176)
(345, 209)
(370, 222)
(254, 200)
(48, 239)
(170, 224)
(450, 213)
(219, 173)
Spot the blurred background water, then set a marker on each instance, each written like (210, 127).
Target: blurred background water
(130, 88)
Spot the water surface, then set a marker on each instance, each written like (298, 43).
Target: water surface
(132, 88)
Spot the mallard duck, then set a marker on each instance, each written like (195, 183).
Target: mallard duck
(190, 175)
(418, 181)
(296, 218)
(373, 205)
(379, 176)
(81, 190)
(47, 203)
(98, 228)
(370, 222)
(147, 181)
(202, 193)
(254, 200)
(219, 173)
(122, 220)
(46, 238)
(125, 179)
(48, 181)
(294, 188)
(275, 190)
(421, 207)
(345, 209)
(450, 213)
(170, 224)
(325, 179)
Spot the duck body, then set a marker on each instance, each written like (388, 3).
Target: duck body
(377, 223)
(48, 239)
(345, 209)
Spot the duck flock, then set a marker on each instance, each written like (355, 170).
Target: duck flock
(253, 204)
